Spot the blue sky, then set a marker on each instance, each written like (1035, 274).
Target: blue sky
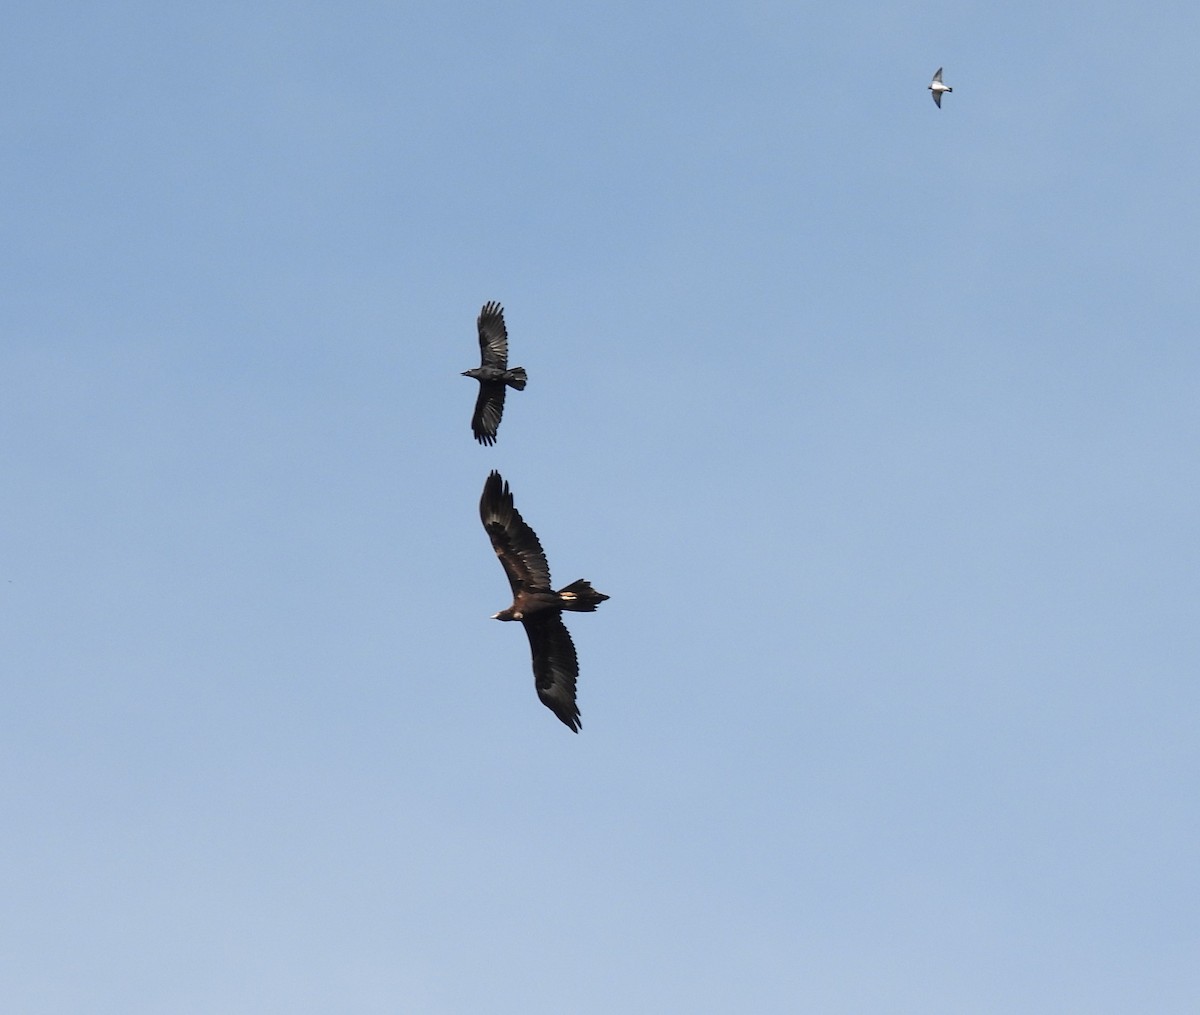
(878, 424)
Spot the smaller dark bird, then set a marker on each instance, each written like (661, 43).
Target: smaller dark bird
(535, 603)
(492, 373)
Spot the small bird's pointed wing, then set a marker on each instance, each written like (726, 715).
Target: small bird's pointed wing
(489, 407)
(555, 665)
(515, 543)
(938, 76)
(493, 336)
(937, 97)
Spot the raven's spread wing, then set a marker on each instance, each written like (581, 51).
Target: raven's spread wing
(515, 543)
(493, 337)
(489, 407)
(555, 666)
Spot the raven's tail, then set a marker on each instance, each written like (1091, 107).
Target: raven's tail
(581, 597)
(516, 378)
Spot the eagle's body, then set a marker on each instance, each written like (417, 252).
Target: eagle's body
(535, 603)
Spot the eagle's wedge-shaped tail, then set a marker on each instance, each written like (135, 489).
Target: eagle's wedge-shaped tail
(580, 597)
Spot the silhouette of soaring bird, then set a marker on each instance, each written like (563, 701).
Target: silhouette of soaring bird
(535, 603)
(492, 373)
(937, 88)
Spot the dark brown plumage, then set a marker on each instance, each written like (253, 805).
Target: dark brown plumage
(535, 603)
(492, 373)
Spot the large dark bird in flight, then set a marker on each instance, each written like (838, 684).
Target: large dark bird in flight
(535, 603)
(492, 373)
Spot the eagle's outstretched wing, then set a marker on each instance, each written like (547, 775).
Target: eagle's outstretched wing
(555, 666)
(515, 543)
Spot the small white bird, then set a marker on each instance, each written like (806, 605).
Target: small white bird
(938, 88)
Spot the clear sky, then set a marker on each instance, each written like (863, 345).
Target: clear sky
(878, 423)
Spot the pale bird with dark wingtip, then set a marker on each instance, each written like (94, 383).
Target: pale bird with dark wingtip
(938, 89)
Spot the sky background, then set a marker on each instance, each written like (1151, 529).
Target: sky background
(878, 423)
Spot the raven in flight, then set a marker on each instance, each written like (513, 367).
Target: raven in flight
(535, 604)
(492, 373)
